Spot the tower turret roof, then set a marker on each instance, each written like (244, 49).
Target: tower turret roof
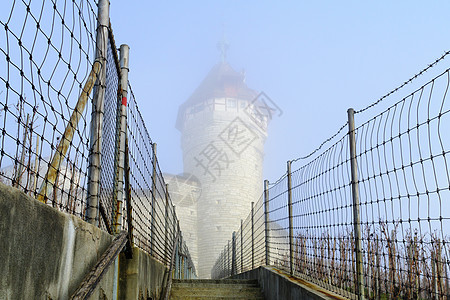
(221, 82)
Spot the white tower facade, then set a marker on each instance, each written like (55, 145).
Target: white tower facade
(223, 136)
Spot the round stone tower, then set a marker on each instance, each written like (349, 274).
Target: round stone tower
(222, 137)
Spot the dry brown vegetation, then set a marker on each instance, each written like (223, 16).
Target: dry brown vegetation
(397, 264)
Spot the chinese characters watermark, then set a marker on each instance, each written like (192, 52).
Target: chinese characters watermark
(237, 136)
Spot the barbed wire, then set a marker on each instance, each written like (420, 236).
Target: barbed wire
(362, 110)
(321, 145)
(404, 83)
(311, 153)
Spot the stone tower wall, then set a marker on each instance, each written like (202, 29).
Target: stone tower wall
(184, 194)
(223, 148)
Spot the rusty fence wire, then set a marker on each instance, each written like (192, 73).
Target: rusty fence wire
(47, 74)
(374, 222)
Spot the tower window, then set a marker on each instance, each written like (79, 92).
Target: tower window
(231, 104)
(220, 104)
(198, 108)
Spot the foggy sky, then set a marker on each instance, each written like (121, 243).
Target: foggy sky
(315, 60)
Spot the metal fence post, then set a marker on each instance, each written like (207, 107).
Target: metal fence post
(166, 225)
(180, 248)
(266, 219)
(253, 237)
(176, 262)
(233, 254)
(124, 64)
(97, 115)
(228, 259)
(152, 217)
(224, 258)
(177, 247)
(182, 260)
(242, 247)
(128, 200)
(174, 224)
(184, 267)
(291, 226)
(355, 194)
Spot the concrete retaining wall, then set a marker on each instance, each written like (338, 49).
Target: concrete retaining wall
(279, 286)
(140, 277)
(45, 254)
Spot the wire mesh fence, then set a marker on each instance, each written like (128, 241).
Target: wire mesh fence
(45, 61)
(154, 220)
(48, 69)
(382, 231)
(404, 185)
(110, 140)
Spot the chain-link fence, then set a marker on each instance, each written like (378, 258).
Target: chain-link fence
(369, 215)
(49, 67)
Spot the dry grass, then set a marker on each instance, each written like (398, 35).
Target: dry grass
(397, 265)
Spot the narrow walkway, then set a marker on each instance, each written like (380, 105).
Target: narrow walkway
(216, 289)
